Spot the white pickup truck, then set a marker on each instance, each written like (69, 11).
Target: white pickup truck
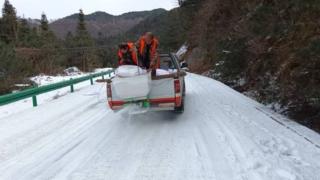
(164, 91)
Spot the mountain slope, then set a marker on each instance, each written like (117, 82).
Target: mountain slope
(101, 22)
(268, 49)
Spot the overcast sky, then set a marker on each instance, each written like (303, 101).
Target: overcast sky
(60, 8)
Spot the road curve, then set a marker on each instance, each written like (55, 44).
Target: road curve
(222, 135)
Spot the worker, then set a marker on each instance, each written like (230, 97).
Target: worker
(127, 54)
(148, 52)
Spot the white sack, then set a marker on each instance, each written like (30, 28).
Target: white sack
(162, 72)
(132, 88)
(129, 71)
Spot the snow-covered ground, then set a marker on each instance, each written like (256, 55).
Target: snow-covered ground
(222, 135)
(42, 80)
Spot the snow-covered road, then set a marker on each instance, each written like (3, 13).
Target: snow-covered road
(222, 135)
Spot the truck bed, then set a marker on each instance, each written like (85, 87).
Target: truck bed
(162, 95)
(165, 92)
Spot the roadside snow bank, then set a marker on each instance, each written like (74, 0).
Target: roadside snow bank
(42, 80)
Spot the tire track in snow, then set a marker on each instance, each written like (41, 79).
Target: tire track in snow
(248, 165)
(228, 140)
(18, 142)
(42, 151)
(284, 152)
(64, 133)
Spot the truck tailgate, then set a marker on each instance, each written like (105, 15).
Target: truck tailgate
(162, 88)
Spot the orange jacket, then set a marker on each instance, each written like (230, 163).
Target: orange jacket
(132, 52)
(153, 52)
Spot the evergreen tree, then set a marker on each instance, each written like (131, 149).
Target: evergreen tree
(69, 44)
(44, 23)
(51, 57)
(85, 56)
(24, 33)
(101, 39)
(6, 57)
(34, 38)
(83, 37)
(81, 28)
(69, 40)
(47, 36)
(9, 23)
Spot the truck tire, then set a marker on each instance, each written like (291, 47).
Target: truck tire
(180, 110)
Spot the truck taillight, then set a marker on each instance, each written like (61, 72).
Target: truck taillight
(177, 87)
(109, 95)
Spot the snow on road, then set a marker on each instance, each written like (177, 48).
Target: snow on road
(223, 135)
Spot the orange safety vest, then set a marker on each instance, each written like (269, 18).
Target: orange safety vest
(132, 53)
(153, 50)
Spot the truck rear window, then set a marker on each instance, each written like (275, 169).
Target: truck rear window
(166, 63)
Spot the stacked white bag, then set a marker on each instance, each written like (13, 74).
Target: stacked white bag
(132, 82)
(129, 71)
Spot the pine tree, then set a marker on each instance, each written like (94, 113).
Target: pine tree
(9, 23)
(34, 38)
(7, 59)
(47, 36)
(69, 40)
(51, 56)
(101, 39)
(81, 28)
(44, 23)
(69, 44)
(24, 33)
(86, 55)
(82, 36)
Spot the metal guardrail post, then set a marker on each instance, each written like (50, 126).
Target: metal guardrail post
(34, 101)
(71, 87)
(91, 81)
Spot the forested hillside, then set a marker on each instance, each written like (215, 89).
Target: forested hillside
(268, 49)
(28, 49)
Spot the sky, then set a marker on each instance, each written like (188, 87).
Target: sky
(55, 9)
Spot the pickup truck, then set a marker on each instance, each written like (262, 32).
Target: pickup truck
(165, 91)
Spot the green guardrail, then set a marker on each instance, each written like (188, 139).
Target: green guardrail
(33, 92)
